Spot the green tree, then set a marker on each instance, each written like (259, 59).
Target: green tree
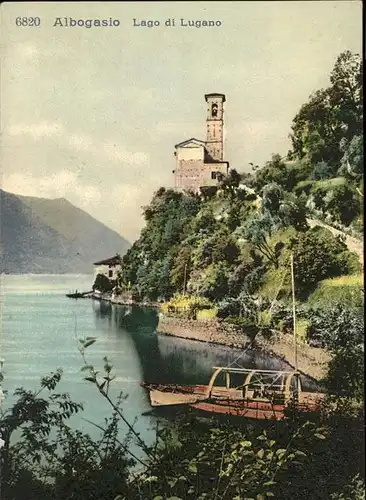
(341, 331)
(283, 172)
(225, 249)
(352, 163)
(181, 268)
(343, 204)
(103, 284)
(258, 230)
(214, 282)
(237, 277)
(322, 171)
(317, 255)
(330, 114)
(148, 263)
(229, 182)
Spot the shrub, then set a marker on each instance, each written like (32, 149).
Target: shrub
(345, 376)
(317, 255)
(49, 459)
(186, 305)
(228, 307)
(103, 284)
(302, 329)
(213, 284)
(206, 314)
(237, 277)
(243, 306)
(253, 279)
(323, 171)
(344, 204)
(353, 263)
(303, 187)
(338, 326)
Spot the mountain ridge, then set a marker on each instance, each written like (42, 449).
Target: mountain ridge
(42, 235)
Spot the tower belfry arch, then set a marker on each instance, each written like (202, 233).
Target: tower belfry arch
(215, 126)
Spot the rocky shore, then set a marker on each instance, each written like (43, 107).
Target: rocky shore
(311, 361)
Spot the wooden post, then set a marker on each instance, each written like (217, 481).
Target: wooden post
(294, 308)
(185, 279)
(227, 379)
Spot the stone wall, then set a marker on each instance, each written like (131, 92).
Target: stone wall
(311, 361)
(187, 174)
(192, 174)
(106, 270)
(204, 331)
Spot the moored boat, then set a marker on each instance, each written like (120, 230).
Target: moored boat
(78, 295)
(260, 394)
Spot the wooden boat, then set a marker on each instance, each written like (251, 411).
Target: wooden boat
(262, 394)
(78, 295)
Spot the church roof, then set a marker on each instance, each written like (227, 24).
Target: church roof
(200, 143)
(114, 261)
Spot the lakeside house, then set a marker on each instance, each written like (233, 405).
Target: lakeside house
(108, 267)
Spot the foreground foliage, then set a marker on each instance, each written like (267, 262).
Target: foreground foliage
(316, 457)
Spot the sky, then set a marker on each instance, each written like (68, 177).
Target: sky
(92, 114)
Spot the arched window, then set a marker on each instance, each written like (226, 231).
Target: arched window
(214, 110)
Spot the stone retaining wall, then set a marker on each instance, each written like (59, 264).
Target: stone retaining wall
(204, 331)
(311, 361)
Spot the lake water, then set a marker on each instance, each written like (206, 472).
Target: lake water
(40, 331)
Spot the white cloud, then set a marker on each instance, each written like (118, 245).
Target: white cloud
(36, 130)
(135, 158)
(81, 143)
(125, 194)
(63, 184)
(108, 149)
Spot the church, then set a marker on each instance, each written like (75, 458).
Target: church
(200, 163)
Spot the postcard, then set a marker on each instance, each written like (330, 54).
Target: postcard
(181, 250)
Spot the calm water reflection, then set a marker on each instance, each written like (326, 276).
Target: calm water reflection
(40, 330)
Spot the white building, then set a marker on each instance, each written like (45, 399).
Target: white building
(108, 267)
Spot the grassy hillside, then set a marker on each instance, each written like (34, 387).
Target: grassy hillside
(225, 246)
(347, 290)
(232, 247)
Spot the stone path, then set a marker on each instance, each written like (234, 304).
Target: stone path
(353, 244)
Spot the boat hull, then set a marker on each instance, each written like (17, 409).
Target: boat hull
(170, 395)
(225, 401)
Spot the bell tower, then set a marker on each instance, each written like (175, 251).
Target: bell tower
(215, 126)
